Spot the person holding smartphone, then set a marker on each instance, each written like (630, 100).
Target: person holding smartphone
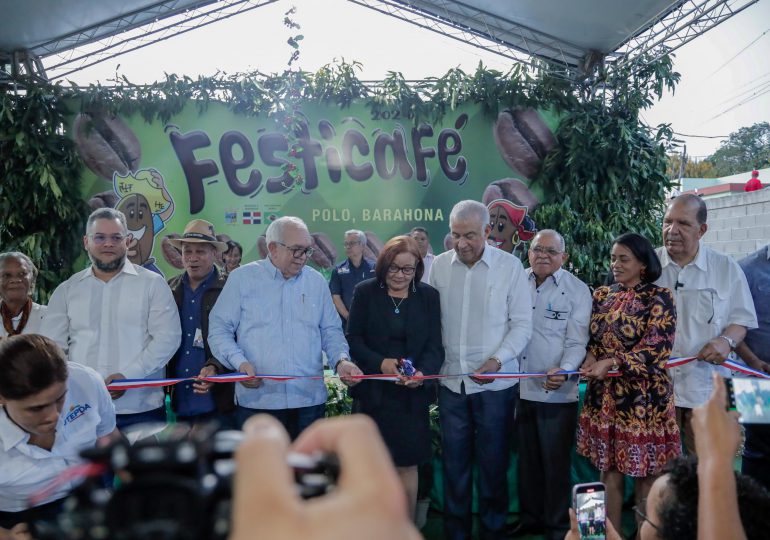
(627, 427)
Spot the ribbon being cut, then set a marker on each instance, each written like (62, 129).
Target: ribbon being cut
(127, 384)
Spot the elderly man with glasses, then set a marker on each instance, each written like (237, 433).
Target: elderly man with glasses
(546, 415)
(276, 316)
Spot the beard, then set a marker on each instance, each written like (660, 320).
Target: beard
(108, 267)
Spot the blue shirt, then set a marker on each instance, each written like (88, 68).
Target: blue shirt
(345, 277)
(756, 266)
(280, 326)
(192, 358)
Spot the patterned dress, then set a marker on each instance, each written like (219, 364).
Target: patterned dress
(628, 423)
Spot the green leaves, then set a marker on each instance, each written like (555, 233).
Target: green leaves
(40, 200)
(606, 176)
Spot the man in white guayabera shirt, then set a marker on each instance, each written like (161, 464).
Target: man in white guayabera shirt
(713, 305)
(546, 415)
(117, 318)
(486, 321)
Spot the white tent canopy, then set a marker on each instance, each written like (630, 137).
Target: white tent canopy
(52, 39)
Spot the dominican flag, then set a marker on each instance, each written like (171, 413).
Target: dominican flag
(252, 218)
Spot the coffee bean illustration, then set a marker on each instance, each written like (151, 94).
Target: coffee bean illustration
(523, 140)
(106, 144)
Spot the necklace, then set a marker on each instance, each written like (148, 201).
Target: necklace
(397, 311)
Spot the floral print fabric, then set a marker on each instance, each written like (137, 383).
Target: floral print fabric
(628, 423)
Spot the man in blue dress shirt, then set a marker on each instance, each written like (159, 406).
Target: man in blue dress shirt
(275, 317)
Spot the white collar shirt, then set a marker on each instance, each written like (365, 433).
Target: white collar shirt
(87, 414)
(710, 293)
(486, 311)
(128, 325)
(34, 321)
(427, 261)
(561, 314)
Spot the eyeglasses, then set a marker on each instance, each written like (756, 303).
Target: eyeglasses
(351, 244)
(643, 517)
(100, 239)
(545, 251)
(406, 270)
(298, 252)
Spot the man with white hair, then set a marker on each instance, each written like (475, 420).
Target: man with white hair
(275, 316)
(117, 318)
(486, 322)
(349, 273)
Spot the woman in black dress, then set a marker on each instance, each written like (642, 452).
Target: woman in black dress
(395, 316)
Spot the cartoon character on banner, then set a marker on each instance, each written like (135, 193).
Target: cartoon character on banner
(511, 226)
(147, 205)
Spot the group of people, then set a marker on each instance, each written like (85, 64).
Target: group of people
(475, 313)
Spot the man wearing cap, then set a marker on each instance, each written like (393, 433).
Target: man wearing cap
(275, 316)
(117, 318)
(195, 292)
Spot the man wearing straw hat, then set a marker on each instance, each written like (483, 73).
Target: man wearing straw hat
(195, 292)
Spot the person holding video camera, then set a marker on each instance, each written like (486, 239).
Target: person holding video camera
(51, 410)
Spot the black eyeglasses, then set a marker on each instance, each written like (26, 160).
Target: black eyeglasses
(643, 517)
(406, 270)
(298, 252)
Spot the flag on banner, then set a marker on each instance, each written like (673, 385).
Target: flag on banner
(252, 218)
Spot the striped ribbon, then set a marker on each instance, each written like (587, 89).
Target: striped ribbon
(126, 384)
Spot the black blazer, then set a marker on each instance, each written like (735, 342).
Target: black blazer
(367, 336)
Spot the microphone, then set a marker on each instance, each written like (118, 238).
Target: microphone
(677, 285)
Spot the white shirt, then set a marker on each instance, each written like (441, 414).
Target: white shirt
(87, 414)
(486, 311)
(128, 325)
(34, 322)
(561, 313)
(712, 294)
(427, 261)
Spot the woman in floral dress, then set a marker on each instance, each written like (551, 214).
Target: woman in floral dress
(627, 426)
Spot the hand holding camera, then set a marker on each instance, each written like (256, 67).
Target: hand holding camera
(368, 501)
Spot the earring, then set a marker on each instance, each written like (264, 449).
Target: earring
(643, 274)
(414, 287)
(382, 286)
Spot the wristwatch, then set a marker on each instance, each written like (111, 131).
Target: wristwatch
(499, 363)
(730, 341)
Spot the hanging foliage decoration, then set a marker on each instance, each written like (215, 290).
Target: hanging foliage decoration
(607, 175)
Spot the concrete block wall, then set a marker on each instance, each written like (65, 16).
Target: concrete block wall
(739, 224)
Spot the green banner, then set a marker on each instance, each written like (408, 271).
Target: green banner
(358, 169)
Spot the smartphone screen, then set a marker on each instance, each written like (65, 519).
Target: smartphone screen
(590, 510)
(752, 399)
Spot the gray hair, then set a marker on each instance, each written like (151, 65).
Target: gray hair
(23, 259)
(109, 214)
(275, 230)
(701, 210)
(555, 234)
(470, 211)
(360, 234)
